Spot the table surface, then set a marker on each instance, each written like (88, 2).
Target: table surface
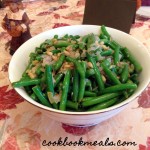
(24, 126)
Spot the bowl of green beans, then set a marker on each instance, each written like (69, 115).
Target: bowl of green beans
(81, 74)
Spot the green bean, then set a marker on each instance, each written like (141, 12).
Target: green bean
(56, 51)
(58, 79)
(82, 82)
(102, 36)
(87, 99)
(121, 99)
(49, 79)
(72, 37)
(89, 72)
(72, 105)
(66, 36)
(77, 36)
(39, 50)
(43, 47)
(90, 94)
(84, 39)
(37, 91)
(26, 82)
(75, 85)
(84, 65)
(114, 69)
(105, 41)
(132, 59)
(116, 55)
(50, 84)
(104, 31)
(134, 78)
(97, 73)
(116, 44)
(124, 74)
(81, 88)
(28, 89)
(107, 62)
(88, 84)
(61, 43)
(110, 74)
(131, 91)
(91, 40)
(49, 42)
(59, 62)
(77, 65)
(66, 84)
(38, 70)
(39, 58)
(99, 99)
(107, 52)
(82, 46)
(56, 36)
(119, 87)
(104, 104)
(34, 97)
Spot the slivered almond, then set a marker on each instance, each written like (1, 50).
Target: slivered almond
(90, 64)
(54, 57)
(103, 78)
(34, 62)
(66, 53)
(49, 53)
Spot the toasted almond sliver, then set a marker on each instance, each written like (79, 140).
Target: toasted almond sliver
(54, 57)
(103, 78)
(90, 64)
(49, 53)
(34, 62)
(66, 53)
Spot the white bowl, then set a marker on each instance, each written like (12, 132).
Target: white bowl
(20, 59)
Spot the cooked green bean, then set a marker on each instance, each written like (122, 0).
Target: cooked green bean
(56, 51)
(96, 100)
(110, 74)
(33, 96)
(26, 82)
(88, 84)
(97, 73)
(89, 72)
(102, 36)
(61, 43)
(91, 40)
(72, 105)
(107, 53)
(58, 78)
(50, 84)
(49, 79)
(59, 62)
(104, 31)
(78, 66)
(90, 94)
(75, 85)
(84, 65)
(104, 104)
(119, 87)
(132, 59)
(82, 83)
(64, 95)
(116, 55)
(38, 70)
(125, 73)
(37, 91)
